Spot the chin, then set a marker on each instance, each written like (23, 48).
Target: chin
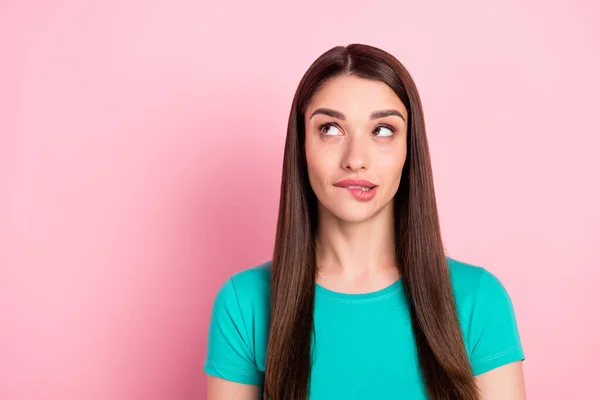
(354, 214)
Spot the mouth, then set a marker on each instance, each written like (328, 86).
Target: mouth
(361, 193)
(360, 189)
(361, 184)
(363, 188)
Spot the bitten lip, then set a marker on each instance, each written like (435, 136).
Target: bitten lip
(355, 182)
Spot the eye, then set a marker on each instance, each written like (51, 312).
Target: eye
(385, 127)
(329, 125)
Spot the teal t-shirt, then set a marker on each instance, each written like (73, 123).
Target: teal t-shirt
(364, 345)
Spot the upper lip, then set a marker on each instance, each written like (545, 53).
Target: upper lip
(355, 182)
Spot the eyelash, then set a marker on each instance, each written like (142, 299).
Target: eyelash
(391, 128)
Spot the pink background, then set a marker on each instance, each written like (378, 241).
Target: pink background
(140, 157)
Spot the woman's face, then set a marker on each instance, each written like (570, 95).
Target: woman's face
(345, 141)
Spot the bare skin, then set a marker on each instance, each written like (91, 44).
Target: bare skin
(355, 239)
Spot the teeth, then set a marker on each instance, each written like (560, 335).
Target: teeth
(363, 188)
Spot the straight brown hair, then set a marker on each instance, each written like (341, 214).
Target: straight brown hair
(420, 255)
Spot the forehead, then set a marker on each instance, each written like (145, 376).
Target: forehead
(356, 97)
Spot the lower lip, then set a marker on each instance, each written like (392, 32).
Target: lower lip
(362, 195)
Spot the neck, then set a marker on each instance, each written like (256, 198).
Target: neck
(356, 252)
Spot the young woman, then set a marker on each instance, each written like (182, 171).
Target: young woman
(359, 300)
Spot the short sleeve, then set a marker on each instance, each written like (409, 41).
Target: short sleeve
(494, 335)
(229, 352)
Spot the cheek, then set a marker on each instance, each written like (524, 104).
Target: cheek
(320, 164)
(316, 170)
(312, 163)
(390, 165)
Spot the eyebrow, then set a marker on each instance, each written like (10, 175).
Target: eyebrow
(374, 114)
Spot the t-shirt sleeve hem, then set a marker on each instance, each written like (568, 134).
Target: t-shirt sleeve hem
(234, 375)
(497, 360)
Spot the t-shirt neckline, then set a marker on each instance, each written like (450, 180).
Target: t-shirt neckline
(358, 297)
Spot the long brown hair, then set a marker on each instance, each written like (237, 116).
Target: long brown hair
(420, 255)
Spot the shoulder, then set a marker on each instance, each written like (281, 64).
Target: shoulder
(252, 284)
(247, 290)
(486, 315)
(259, 274)
(238, 329)
(478, 290)
(470, 281)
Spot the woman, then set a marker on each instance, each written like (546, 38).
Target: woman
(360, 300)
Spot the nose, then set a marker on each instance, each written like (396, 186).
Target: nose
(356, 155)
